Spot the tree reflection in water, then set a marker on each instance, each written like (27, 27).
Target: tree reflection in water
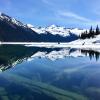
(91, 53)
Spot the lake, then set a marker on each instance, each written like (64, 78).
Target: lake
(34, 73)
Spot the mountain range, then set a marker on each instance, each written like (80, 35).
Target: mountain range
(12, 30)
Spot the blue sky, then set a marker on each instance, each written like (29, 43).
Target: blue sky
(69, 13)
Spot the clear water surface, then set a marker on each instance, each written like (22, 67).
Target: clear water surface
(31, 73)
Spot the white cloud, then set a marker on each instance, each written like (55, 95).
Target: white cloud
(73, 15)
(80, 18)
(61, 14)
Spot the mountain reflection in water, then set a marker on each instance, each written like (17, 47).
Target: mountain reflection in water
(10, 55)
(33, 73)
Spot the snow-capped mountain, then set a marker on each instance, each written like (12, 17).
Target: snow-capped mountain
(53, 29)
(57, 30)
(10, 19)
(15, 31)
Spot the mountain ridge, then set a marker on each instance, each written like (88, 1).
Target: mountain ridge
(12, 30)
(57, 30)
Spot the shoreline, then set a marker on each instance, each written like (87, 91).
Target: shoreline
(53, 45)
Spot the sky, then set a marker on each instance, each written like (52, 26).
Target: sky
(69, 13)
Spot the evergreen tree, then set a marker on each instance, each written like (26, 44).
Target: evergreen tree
(84, 35)
(91, 29)
(91, 33)
(86, 32)
(97, 30)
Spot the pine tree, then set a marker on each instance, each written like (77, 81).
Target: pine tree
(91, 33)
(97, 30)
(91, 29)
(86, 32)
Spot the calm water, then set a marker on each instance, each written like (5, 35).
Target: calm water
(30, 73)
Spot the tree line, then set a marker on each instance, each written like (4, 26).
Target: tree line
(91, 33)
